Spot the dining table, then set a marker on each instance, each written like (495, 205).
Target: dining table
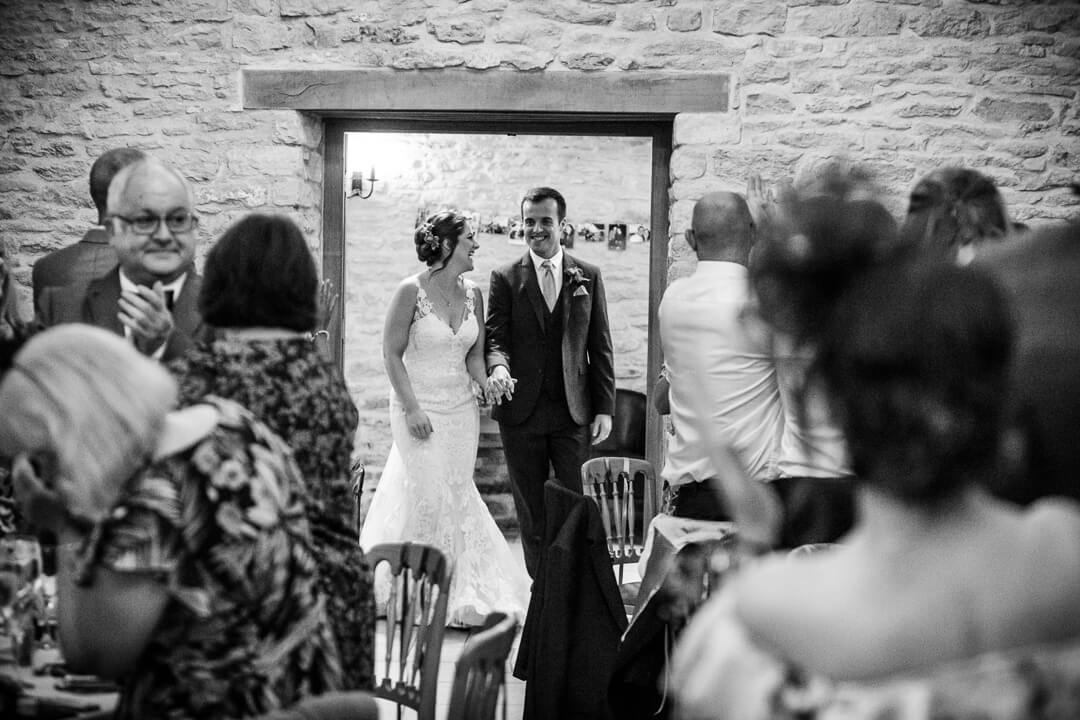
(43, 690)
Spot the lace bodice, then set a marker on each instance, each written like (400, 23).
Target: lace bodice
(435, 354)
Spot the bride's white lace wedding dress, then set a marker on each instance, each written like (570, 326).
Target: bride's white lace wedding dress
(426, 493)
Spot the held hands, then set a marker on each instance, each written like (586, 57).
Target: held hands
(144, 313)
(418, 423)
(500, 386)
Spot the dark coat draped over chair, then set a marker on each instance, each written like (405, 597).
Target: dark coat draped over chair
(575, 618)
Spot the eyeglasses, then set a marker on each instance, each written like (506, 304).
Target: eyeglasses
(177, 222)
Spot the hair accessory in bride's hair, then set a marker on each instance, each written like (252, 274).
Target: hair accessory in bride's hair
(428, 234)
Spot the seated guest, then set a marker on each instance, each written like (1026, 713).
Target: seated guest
(185, 566)
(952, 210)
(263, 356)
(913, 356)
(150, 297)
(92, 256)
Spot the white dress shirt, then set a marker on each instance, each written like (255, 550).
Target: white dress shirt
(717, 359)
(556, 261)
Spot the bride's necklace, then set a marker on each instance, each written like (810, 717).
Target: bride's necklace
(442, 295)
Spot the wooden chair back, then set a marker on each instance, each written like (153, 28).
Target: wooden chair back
(619, 485)
(408, 673)
(480, 672)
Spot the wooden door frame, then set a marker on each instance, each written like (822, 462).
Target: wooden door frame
(657, 127)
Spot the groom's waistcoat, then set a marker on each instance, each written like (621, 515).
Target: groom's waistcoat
(554, 386)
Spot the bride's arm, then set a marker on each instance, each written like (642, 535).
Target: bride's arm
(395, 339)
(474, 361)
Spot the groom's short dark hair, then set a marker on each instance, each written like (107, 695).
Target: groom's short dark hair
(540, 194)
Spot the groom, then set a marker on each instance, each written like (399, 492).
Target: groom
(550, 364)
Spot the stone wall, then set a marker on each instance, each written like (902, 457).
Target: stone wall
(903, 86)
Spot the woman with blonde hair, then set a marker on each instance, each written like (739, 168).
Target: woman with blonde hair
(184, 561)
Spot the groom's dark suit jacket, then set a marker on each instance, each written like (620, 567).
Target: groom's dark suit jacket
(97, 303)
(516, 326)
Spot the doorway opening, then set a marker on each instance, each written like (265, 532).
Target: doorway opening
(419, 168)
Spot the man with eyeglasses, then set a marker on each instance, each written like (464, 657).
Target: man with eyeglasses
(150, 297)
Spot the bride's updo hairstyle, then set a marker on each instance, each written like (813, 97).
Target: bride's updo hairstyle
(911, 351)
(440, 231)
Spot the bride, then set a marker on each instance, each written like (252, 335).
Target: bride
(433, 347)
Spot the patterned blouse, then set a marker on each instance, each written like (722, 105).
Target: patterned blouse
(288, 385)
(221, 524)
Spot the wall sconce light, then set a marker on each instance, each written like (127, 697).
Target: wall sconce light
(357, 185)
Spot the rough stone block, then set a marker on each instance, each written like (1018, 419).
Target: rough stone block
(837, 105)
(687, 164)
(967, 24)
(462, 30)
(1036, 17)
(863, 21)
(637, 20)
(587, 61)
(706, 128)
(419, 59)
(303, 8)
(765, 71)
(253, 7)
(999, 111)
(930, 110)
(690, 53)
(768, 104)
(529, 33)
(571, 13)
(530, 60)
(260, 37)
(748, 17)
(684, 20)
(786, 47)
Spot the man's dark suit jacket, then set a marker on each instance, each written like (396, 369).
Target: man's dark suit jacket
(1041, 272)
(515, 326)
(97, 303)
(576, 615)
(81, 262)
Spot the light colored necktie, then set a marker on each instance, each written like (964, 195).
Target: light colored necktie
(547, 284)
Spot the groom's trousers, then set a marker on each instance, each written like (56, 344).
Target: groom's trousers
(548, 439)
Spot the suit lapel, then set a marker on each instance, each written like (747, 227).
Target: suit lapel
(531, 286)
(568, 294)
(102, 303)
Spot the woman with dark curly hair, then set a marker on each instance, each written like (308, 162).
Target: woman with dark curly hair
(260, 295)
(911, 355)
(953, 210)
(433, 346)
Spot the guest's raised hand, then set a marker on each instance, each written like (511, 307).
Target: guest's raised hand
(144, 312)
(418, 423)
(328, 300)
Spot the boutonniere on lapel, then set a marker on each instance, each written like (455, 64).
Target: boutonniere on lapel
(576, 279)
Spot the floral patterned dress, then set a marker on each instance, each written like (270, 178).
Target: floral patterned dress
(289, 386)
(222, 525)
